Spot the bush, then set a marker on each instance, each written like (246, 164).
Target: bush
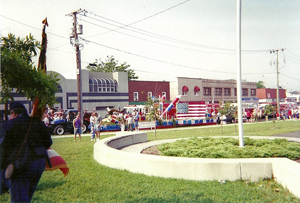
(229, 148)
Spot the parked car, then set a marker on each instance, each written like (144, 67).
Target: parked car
(60, 126)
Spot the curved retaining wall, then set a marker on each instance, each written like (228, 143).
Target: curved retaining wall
(107, 152)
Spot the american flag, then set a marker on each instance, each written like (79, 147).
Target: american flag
(57, 162)
(190, 110)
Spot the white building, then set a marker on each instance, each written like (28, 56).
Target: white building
(99, 91)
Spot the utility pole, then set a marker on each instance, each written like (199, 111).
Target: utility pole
(277, 71)
(74, 35)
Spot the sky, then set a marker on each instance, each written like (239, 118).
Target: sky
(165, 39)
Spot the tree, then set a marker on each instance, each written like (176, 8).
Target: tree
(110, 65)
(228, 110)
(19, 74)
(260, 84)
(152, 108)
(270, 110)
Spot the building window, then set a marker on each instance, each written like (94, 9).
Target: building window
(207, 91)
(102, 85)
(253, 92)
(268, 95)
(149, 94)
(245, 92)
(218, 91)
(227, 92)
(235, 91)
(135, 96)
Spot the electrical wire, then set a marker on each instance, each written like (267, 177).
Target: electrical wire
(153, 59)
(157, 36)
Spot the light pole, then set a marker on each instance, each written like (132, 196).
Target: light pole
(239, 75)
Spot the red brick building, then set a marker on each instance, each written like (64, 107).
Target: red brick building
(266, 95)
(139, 91)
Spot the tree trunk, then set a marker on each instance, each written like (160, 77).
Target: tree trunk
(155, 127)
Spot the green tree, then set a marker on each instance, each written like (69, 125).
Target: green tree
(19, 74)
(227, 110)
(269, 111)
(152, 108)
(260, 84)
(111, 65)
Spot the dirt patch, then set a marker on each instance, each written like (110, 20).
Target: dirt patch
(151, 150)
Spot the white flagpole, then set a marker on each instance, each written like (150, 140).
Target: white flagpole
(239, 75)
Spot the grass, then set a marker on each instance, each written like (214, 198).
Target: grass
(250, 129)
(89, 181)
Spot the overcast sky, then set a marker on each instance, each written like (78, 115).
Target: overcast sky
(165, 39)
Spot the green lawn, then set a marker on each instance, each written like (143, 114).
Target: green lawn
(89, 181)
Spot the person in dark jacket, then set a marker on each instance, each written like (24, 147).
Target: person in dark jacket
(23, 182)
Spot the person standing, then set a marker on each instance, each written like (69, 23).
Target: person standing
(20, 129)
(136, 120)
(92, 124)
(97, 126)
(130, 122)
(77, 124)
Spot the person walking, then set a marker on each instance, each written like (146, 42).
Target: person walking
(19, 136)
(77, 124)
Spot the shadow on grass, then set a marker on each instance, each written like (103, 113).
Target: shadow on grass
(47, 185)
(170, 200)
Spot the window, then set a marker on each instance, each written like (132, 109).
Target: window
(253, 92)
(245, 92)
(91, 85)
(149, 94)
(235, 91)
(102, 85)
(135, 96)
(268, 95)
(227, 92)
(102, 108)
(207, 91)
(218, 91)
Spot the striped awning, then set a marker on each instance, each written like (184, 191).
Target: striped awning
(185, 88)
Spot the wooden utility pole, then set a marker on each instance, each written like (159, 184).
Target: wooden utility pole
(277, 72)
(74, 35)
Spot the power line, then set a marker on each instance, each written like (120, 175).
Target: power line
(146, 17)
(161, 37)
(210, 52)
(157, 60)
(296, 61)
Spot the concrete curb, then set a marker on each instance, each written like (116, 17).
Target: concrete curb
(106, 152)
